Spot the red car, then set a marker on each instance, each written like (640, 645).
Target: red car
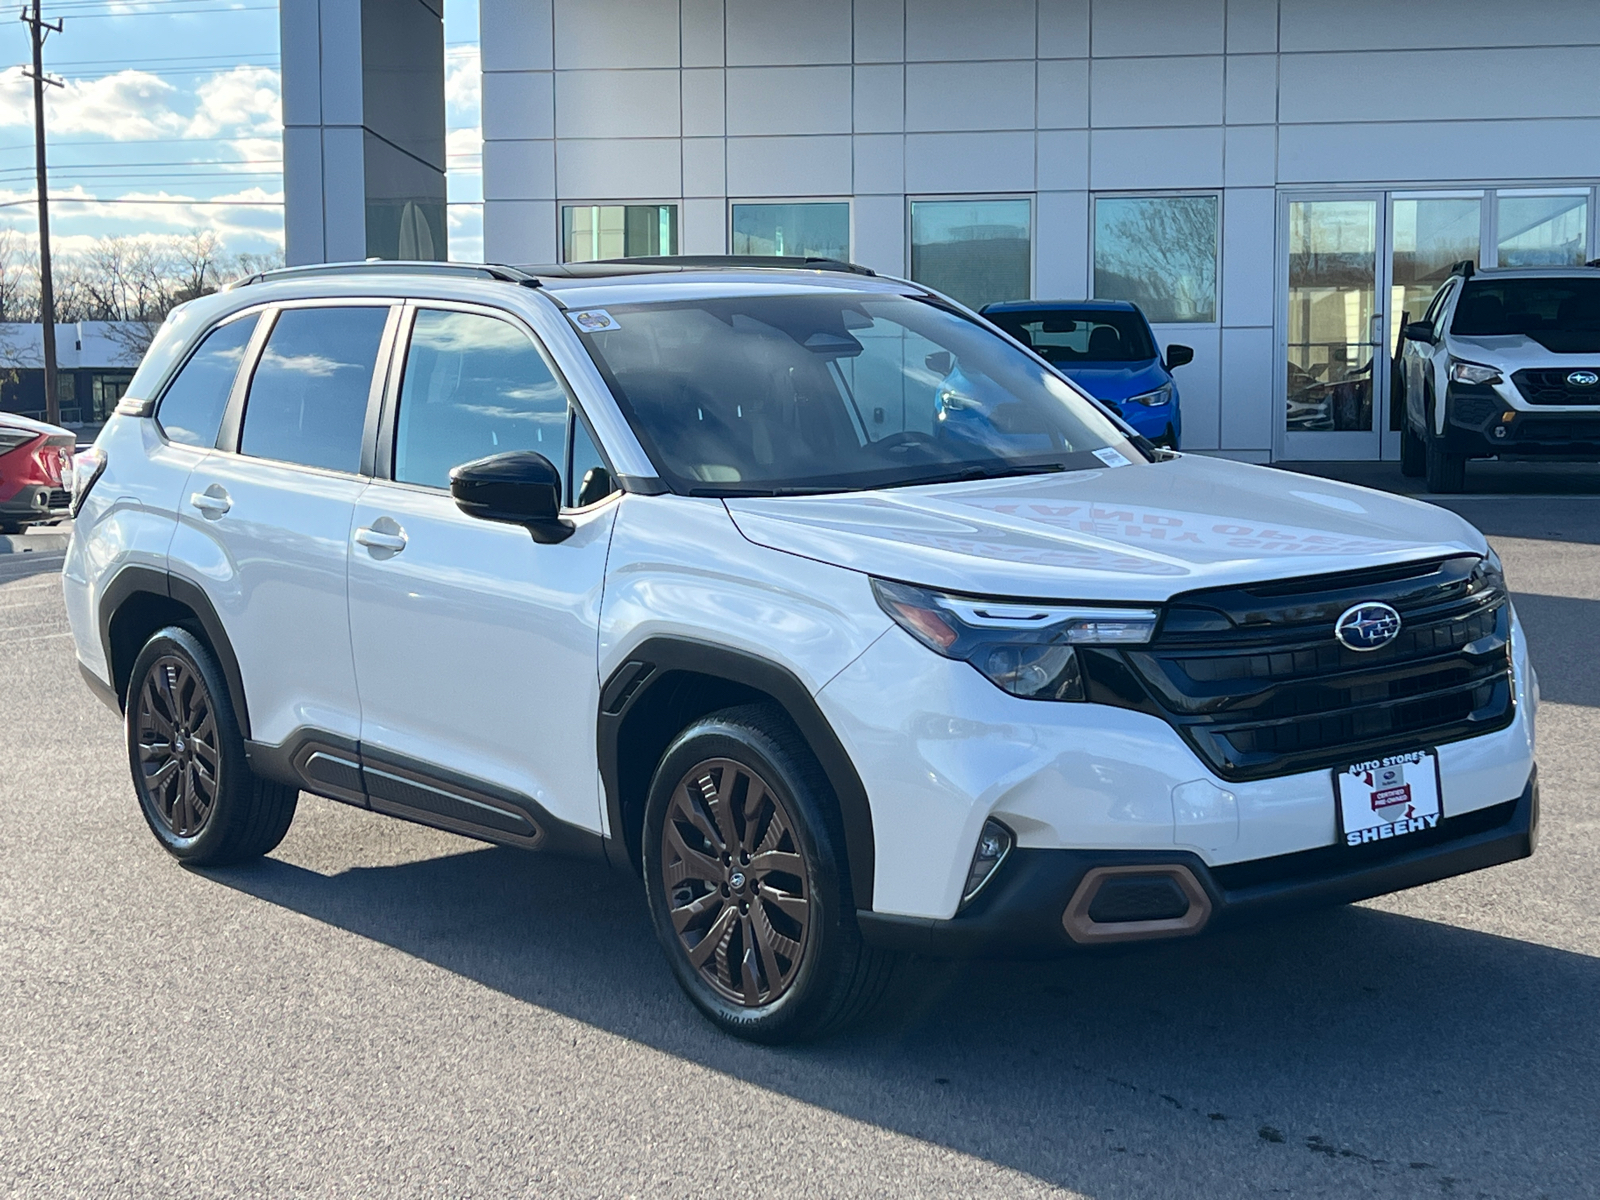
(35, 472)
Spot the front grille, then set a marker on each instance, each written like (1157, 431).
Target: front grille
(60, 498)
(1256, 682)
(1550, 386)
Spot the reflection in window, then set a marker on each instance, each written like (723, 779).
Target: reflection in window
(473, 386)
(976, 251)
(803, 230)
(308, 398)
(595, 231)
(191, 410)
(1431, 235)
(1333, 249)
(1160, 252)
(1542, 231)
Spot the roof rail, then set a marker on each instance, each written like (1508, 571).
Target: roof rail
(1464, 268)
(375, 266)
(759, 261)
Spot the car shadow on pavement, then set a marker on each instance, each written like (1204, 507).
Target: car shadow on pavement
(1368, 1050)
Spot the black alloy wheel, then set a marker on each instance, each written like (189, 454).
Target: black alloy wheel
(748, 883)
(175, 730)
(186, 752)
(735, 878)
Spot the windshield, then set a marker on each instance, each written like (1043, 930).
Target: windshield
(766, 395)
(1078, 335)
(1562, 315)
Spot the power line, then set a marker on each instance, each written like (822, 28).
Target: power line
(132, 200)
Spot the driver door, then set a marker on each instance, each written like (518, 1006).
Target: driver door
(475, 647)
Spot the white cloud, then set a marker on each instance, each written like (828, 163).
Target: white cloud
(128, 104)
(243, 100)
(463, 81)
(243, 219)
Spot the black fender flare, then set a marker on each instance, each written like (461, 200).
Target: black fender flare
(658, 659)
(133, 581)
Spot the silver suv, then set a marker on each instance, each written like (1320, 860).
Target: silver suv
(807, 597)
(1504, 364)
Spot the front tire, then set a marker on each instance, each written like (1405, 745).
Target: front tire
(747, 881)
(1413, 453)
(186, 752)
(1445, 472)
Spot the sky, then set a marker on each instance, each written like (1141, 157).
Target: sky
(169, 123)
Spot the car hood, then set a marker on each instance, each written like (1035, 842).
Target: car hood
(1513, 351)
(1115, 381)
(1142, 532)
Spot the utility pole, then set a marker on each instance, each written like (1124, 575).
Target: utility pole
(40, 29)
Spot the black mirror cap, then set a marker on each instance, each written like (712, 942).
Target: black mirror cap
(520, 487)
(1179, 356)
(1419, 331)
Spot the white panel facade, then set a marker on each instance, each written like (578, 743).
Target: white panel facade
(705, 103)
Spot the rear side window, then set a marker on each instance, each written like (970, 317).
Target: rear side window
(191, 409)
(473, 386)
(308, 398)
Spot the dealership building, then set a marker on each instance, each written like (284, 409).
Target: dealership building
(1276, 182)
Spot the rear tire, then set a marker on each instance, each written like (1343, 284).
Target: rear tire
(195, 787)
(748, 884)
(1413, 453)
(11, 527)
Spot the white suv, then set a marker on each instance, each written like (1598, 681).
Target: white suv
(805, 594)
(1504, 363)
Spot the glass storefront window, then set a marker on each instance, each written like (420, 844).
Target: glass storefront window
(804, 230)
(1159, 252)
(1333, 340)
(1542, 231)
(976, 251)
(1431, 235)
(596, 231)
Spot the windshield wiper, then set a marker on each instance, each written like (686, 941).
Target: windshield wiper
(998, 470)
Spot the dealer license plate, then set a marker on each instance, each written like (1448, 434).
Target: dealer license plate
(1389, 797)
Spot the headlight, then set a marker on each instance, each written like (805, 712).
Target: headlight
(1162, 395)
(1471, 372)
(1024, 649)
(86, 469)
(1489, 573)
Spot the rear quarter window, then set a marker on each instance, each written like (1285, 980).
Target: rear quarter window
(191, 408)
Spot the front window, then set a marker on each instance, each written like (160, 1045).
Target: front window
(1562, 315)
(590, 232)
(1160, 252)
(1080, 335)
(765, 395)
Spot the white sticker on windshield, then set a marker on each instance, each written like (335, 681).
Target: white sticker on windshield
(1112, 458)
(593, 320)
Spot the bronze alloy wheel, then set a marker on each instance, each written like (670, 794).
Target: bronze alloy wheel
(178, 755)
(735, 881)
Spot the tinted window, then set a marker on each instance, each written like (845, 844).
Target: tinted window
(1563, 315)
(1080, 335)
(308, 398)
(590, 479)
(762, 394)
(192, 408)
(473, 386)
(978, 251)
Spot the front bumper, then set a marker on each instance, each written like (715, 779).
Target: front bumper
(1026, 909)
(1479, 422)
(37, 502)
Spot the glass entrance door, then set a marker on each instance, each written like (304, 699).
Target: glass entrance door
(1334, 350)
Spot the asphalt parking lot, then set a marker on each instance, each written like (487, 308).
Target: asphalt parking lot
(380, 1009)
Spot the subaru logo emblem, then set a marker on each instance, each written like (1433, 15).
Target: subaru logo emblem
(1583, 379)
(1367, 626)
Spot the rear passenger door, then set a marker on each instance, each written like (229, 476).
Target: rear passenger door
(475, 647)
(265, 522)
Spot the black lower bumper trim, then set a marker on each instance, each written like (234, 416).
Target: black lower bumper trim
(1019, 913)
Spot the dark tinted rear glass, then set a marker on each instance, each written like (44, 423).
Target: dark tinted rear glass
(1561, 314)
(191, 409)
(1075, 335)
(308, 398)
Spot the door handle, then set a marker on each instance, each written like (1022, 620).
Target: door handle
(377, 539)
(212, 502)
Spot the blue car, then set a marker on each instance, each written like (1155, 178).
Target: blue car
(1106, 347)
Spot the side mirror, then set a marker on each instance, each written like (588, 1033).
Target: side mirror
(939, 362)
(1419, 331)
(520, 487)
(1179, 356)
